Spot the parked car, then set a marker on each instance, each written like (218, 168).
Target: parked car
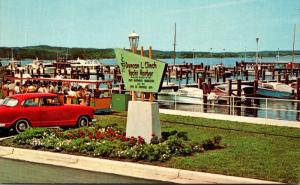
(42, 110)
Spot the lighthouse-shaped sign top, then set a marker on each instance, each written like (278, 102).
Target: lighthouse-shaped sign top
(140, 73)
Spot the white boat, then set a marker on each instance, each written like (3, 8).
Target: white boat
(188, 95)
(92, 65)
(275, 90)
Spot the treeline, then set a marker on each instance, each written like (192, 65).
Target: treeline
(45, 52)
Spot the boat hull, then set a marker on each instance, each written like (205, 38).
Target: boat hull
(274, 94)
(180, 99)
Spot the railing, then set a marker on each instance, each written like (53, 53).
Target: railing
(262, 107)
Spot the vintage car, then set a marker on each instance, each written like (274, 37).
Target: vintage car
(42, 110)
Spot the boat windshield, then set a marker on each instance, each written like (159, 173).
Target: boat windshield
(10, 102)
(284, 87)
(268, 86)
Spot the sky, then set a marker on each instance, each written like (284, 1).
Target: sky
(223, 25)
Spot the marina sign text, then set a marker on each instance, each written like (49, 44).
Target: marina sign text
(140, 73)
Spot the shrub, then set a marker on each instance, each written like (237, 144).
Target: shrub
(112, 142)
(30, 133)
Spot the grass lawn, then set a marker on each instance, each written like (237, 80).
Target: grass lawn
(254, 151)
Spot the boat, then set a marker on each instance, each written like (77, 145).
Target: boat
(221, 92)
(92, 65)
(187, 95)
(275, 90)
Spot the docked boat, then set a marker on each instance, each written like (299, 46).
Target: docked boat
(92, 65)
(188, 95)
(275, 90)
(221, 92)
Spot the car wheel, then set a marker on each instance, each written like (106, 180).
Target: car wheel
(83, 121)
(21, 125)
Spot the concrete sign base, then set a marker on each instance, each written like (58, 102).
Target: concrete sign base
(143, 120)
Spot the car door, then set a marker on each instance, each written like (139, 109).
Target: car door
(51, 111)
(30, 110)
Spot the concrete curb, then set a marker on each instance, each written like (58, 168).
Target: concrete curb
(122, 168)
(261, 121)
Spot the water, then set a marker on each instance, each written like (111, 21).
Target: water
(272, 109)
(14, 171)
(228, 61)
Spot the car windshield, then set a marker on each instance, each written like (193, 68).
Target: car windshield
(10, 102)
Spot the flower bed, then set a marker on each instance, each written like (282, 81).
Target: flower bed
(112, 142)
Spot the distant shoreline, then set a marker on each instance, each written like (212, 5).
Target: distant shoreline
(44, 52)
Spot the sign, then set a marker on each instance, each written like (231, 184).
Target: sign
(140, 73)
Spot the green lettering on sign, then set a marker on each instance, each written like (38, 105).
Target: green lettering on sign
(140, 73)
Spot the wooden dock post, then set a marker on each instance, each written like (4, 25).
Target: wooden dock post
(204, 87)
(216, 74)
(88, 73)
(209, 85)
(263, 74)
(180, 74)
(229, 90)
(286, 78)
(200, 83)
(239, 91)
(194, 73)
(246, 75)
(204, 73)
(224, 77)
(234, 71)
(256, 76)
(187, 78)
(273, 73)
(278, 77)
(298, 88)
(255, 87)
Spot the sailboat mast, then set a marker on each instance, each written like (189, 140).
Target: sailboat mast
(294, 43)
(174, 55)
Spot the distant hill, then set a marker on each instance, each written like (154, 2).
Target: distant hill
(45, 52)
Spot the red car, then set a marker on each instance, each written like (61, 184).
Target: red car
(42, 110)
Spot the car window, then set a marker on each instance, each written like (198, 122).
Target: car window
(10, 102)
(32, 102)
(50, 101)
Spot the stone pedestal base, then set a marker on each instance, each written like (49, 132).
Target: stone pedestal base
(143, 120)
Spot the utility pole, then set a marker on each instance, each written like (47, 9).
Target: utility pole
(256, 58)
(293, 59)
(174, 45)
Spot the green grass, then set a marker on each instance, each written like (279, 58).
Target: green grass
(253, 151)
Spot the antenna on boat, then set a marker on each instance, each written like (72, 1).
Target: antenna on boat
(293, 56)
(174, 45)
